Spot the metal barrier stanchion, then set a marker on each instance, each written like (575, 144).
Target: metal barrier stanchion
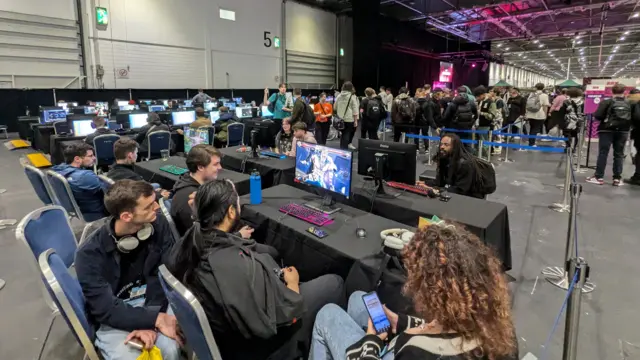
(480, 148)
(580, 145)
(564, 205)
(490, 149)
(572, 322)
(507, 140)
(428, 150)
(559, 276)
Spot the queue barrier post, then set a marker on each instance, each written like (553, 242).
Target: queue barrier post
(564, 205)
(480, 148)
(428, 150)
(572, 321)
(559, 276)
(507, 140)
(490, 149)
(580, 146)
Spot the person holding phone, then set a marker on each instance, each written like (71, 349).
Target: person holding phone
(460, 297)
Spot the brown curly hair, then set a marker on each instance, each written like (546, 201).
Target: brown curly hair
(455, 279)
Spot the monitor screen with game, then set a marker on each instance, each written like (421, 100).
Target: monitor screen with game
(231, 105)
(245, 112)
(179, 118)
(82, 127)
(89, 110)
(265, 112)
(400, 164)
(154, 108)
(188, 103)
(193, 137)
(123, 102)
(52, 115)
(324, 167)
(148, 102)
(128, 107)
(210, 106)
(113, 125)
(238, 100)
(214, 115)
(136, 121)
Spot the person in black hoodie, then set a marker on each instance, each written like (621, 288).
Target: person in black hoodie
(203, 162)
(256, 309)
(373, 112)
(461, 114)
(153, 124)
(516, 108)
(634, 99)
(424, 116)
(100, 124)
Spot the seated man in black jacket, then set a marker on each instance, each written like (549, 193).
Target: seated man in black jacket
(101, 129)
(154, 123)
(126, 152)
(457, 168)
(117, 268)
(256, 310)
(203, 162)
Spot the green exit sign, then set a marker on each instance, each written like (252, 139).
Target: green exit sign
(341, 52)
(276, 41)
(102, 16)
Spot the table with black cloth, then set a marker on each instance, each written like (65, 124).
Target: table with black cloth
(312, 256)
(150, 171)
(41, 134)
(486, 219)
(272, 171)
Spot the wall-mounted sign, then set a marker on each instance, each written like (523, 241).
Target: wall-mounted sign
(276, 42)
(102, 16)
(341, 52)
(122, 73)
(446, 72)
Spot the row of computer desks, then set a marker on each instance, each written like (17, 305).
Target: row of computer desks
(293, 187)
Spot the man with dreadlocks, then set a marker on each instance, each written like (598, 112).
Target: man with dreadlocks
(457, 168)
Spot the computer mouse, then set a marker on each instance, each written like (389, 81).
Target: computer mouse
(361, 233)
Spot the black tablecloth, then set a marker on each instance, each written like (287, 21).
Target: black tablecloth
(24, 126)
(488, 220)
(313, 256)
(272, 171)
(150, 171)
(41, 134)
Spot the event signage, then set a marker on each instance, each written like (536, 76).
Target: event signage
(102, 16)
(446, 72)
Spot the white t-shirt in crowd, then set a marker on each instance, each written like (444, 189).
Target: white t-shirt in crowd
(544, 106)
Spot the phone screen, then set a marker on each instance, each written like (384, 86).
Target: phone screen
(376, 312)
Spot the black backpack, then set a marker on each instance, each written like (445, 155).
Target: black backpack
(464, 116)
(487, 177)
(374, 109)
(618, 115)
(308, 117)
(272, 106)
(406, 110)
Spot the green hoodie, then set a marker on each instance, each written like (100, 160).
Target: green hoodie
(469, 94)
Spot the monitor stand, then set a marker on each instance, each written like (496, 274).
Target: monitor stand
(326, 206)
(381, 160)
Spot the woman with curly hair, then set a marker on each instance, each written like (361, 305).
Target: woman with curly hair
(459, 294)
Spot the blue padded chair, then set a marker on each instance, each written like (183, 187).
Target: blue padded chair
(67, 295)
(191, 317)
(103, 148)
(40, 184)
(64, 194)
(235, 134)
(158, 141)
(165, 207)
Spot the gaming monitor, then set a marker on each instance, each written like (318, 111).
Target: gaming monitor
(245, 112)
(193, 137)
(122, 103)
(128, 107)
(214, 115)
(137, 121)
(238, 100)
(148, 102)
(401, 160)
(155, 108)
(82, 127)
(265, 112)
(231, 105)
(89, 110)
(324, 167)
(51, 115)
(210, 106)
(188, 103)
(113, 125)
(179, 118)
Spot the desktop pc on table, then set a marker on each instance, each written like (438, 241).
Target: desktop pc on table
(387, 161)
(325, 169)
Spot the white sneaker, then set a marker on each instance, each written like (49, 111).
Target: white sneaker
(351, 147)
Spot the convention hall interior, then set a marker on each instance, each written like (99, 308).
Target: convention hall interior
(244, 179)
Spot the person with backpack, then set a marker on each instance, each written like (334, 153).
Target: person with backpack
(345, 118)
(517, 108)
(302, 112)
(572, 111)
(277, 105)
(615, 123)
(461, 114)
(488, 113)
(424, 116)
(403, 114)
(372, 112)
(323, 112)
(537, 106)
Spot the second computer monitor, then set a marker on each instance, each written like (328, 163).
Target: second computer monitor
(179, 118)
(193, 137)
(324, 167)
(400, 164)
(51, 115)
(156, 108)
(265, 112)
(230, 105)
(136, 121)
(245, 112)
(215, 116)
(82, 127)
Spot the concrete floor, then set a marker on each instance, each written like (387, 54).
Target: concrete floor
(607, 237)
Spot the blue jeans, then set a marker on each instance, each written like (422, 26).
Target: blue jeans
(335, 330)
(110, 343)
(605, 139)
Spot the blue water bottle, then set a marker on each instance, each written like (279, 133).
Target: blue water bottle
(255, 187)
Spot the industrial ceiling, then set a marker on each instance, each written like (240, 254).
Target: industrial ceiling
(590, 38)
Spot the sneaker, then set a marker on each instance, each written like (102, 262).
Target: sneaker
(594, 180)
(617, 182)
(351, 147)
(634, 180)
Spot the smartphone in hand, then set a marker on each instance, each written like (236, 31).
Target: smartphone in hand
(376, 312)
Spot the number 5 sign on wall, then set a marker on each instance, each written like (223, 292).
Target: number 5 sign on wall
(268, 42)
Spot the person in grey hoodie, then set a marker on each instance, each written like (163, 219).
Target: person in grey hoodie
(346, 107)
(203, 162)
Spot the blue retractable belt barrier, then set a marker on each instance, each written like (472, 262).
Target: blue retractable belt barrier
(466, 131)
(552, 138)
(414, 136)
(504, 128)
(533, 148)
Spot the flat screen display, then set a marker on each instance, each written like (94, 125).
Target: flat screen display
(137, 121)
(53, 115)
(324, 167)
(244, 112)
(215, 116)
(179, 118)
(193, 137)
(82, 127)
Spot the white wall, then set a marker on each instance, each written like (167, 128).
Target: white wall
(185, 44)
(310, 30)
(346, 43)
(39, 44)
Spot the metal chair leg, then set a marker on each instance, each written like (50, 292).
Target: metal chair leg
(46, 337)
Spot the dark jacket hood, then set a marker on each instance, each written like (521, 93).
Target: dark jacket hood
(460, 100)
(186, 181)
